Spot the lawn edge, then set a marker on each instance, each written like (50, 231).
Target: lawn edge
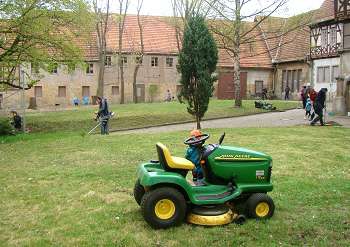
(192, 121)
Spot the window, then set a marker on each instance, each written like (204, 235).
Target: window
(115, 90)
(335, 73)
(124, 60)
(62, 91)
(90, 68)
(169, 62)
(289, 79)
(259, 85)
(300, 71)
(154, 61)
(53, 68)
(333, 36)
(139, 92)
(108, 61)
(294, 80)
(323, 74)
(38, 91)
(324, 37)
(138, 60)
(284, 80)
(346, 44)
(327, 75)
(86, 91)
(34, 68)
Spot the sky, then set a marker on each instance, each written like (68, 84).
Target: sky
(163, 7)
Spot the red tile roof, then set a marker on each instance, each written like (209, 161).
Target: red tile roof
(325, 12)
(158, 35)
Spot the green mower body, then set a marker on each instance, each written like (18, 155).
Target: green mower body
(231, 174)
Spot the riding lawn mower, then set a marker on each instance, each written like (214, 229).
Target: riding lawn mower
(235, 186)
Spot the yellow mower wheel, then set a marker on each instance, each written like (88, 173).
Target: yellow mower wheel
(163, 207)
(260, 206)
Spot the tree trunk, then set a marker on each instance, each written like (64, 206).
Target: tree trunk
(101, 76)
(134, 83)
(120, 43)
(198, 121)
(121, 67)
(236, 58)
(237, 81)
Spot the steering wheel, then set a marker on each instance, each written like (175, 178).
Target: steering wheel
(196, 140)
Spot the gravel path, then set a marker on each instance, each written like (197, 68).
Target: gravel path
(274, 119)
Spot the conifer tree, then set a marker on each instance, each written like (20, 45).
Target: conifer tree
(197, 63)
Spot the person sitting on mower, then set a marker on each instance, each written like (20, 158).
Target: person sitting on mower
(194, 153)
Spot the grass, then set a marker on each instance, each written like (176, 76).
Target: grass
(139, 115)
(64, 189)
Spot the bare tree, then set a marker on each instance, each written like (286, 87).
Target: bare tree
(138, 52)
(123, 8)
(233, 28)
(182, 9)
(101, 30)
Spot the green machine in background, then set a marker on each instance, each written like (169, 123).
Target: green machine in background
(235, 185)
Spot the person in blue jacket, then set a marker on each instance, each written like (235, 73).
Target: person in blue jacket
(193, 153)
(308, 108)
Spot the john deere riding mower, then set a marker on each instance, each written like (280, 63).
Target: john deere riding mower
(235, 186)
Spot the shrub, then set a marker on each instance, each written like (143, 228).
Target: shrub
(5, 127)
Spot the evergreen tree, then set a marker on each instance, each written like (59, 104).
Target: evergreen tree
(197, 63)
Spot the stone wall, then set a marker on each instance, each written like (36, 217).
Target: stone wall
(165, 77)
(305, 78)
(255, 74)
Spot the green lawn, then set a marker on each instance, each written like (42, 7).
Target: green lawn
(139, 115)
(72, 190)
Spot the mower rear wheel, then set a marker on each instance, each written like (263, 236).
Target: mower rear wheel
(139, 191)
(163, 207)
(260, 206)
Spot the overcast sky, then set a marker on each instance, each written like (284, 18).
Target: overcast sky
(163, 7)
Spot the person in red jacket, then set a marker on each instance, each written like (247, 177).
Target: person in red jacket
(313, 95)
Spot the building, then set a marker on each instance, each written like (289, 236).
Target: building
(308, 54)
(61, 84)
(329, 52)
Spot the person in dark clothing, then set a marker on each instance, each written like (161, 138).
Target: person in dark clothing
(16, 121)
(286, 93)
(264, 94)
(303, 95)
(319, 106)
(103, 115)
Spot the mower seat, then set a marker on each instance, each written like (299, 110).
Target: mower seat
(171, 162)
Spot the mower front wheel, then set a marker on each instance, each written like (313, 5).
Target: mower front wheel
(163, 207)
(139, 191)
(260, 206)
